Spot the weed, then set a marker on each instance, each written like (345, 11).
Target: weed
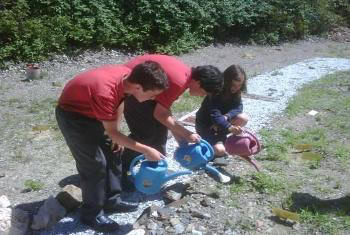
(264, 183)
(342, 152)
(276, 73)
(34, 185)
(239, 187)
(275, 149)
(46, 105)
(328, 223)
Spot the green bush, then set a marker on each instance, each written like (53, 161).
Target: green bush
(32, 30)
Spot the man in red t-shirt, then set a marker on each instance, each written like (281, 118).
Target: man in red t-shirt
(149, 121)
(90, 107)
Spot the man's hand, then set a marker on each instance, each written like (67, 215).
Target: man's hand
(153, 155)
(117, 148)
(193, 138)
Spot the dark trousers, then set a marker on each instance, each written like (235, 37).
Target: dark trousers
(98, 167)
(144, 128)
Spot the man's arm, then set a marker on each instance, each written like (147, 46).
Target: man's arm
(163, 115)
(120, 111)
(121, 139)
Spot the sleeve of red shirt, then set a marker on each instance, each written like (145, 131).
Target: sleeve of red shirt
(103, 108)
(166, 99)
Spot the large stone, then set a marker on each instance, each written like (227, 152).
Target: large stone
(49, 214)
(175, 192)
(70, 197)
(136, 232)
(4, 202)
(5, 220)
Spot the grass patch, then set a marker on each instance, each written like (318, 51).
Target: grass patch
(279, 143)
(34, 185)
(43, 106)
(329, 223)
(264, 183)
(323, 140)
(327, 94)
(186, 102)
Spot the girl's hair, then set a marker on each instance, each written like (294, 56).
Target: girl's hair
(234, 73)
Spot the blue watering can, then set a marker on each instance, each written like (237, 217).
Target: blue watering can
(196, 156)
(152, 175)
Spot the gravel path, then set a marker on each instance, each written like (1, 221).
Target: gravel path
(280, 85)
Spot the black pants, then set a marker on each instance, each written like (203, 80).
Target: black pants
(144, 128)
(98, 167)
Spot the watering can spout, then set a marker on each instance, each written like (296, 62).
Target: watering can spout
(176, 174)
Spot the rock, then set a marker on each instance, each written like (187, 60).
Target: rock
(143, 218)
(199, 214)
(189, 228)
(164, 213)
(179, 228)
(195, 232)
(205, 202)
(136, 232)
(174, 221)
(152, 225)
(70, 198)
(152, 232)
(175, 191)
(5, 219)
(154, 214)
(49, 214)
(220, 161)
(4, 202)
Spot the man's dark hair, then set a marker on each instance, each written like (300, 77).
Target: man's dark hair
(150, 76)
(210, 78)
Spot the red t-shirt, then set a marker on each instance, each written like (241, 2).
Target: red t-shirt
(96, 93)
(178, 75)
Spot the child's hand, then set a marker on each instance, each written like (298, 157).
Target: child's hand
(236, 130)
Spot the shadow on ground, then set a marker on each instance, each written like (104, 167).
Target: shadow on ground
(72, 179)
(307, 201)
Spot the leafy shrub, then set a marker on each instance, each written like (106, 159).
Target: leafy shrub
(31, 30)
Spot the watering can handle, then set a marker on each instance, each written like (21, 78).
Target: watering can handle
(138, 158)
(210, 148)
(142, 157)
(253, 137)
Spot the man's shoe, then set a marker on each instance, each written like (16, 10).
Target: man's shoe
(119, 205)
(101, 224)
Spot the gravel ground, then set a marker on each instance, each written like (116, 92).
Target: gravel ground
(42, 155)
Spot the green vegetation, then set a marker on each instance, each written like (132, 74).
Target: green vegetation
(185, 103)
(264, 183)
(33, 185)
(330, 98)
(305, 161)
(32, 30)
(320, 142)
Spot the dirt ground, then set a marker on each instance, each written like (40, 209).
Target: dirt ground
(31, 148)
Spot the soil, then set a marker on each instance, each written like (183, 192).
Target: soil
(32, 148)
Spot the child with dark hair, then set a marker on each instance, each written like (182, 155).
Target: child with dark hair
(222, 114)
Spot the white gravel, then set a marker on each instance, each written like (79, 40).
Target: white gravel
(280, 84)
